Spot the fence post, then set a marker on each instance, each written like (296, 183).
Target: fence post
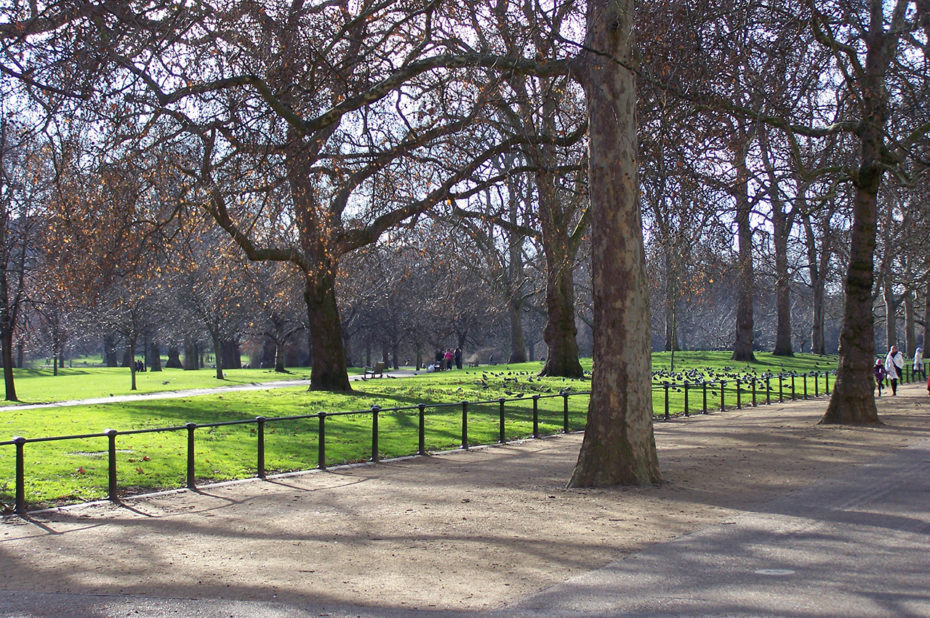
(739, 396)
(260, 464)
(501, 435)
(465, 425)
(792, 386)
(421, 445)
(704, 382)
(686, 399)
(753, 391)
(536, 416)
(665, 386)
(723, 387)
(826, 375)
(374, 433)
(20, 505)
(781, 388)
(111, 465)
(768, 390)
(321, 442)
(565, 427)
(190, 455)
(805, 385)
(816, 384)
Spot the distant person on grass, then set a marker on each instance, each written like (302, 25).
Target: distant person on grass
(919, 362)
(894, 365)
(879, 372)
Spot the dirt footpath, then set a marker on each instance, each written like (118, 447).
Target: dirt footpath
(462, 531)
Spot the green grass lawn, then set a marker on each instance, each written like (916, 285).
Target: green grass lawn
(65, 471)
(40, 386)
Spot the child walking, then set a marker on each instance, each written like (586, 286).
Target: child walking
(879, 371)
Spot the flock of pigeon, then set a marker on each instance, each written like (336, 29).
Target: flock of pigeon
(519, 383)
(675, 380)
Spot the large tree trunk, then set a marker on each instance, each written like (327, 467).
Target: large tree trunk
(853, 401)
(329, 372)
(155, 359)
(561, 333)
(191, 355)
(782, 228)
(174, 358)
(232, 358)
(619, 445)
(109, 352)
(743, 344)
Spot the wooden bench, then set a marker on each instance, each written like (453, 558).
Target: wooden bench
(377, 371)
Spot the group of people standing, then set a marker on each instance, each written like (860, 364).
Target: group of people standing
(448, 359)
(892, 369)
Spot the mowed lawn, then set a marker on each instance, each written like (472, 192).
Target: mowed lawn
(59, 472)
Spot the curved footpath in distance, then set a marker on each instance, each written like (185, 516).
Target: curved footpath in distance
(258, 386)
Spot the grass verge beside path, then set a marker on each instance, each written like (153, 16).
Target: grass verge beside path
(40, 386)
(76, 470)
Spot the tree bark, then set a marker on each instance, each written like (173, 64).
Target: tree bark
(781, 224)
(671, 300)
(926, 341)
(191, 355)
(561, 333)
(131, 353)
(6, 343)
(174, 358)
(743, 344)
(910, 327)
(816, 266)
(329, 372)
(218, 356)
(232, 358)
(853, 401)
(109, 352)
(155, 363)
(515, 303)
(619, 445)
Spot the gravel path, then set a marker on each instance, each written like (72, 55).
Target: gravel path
(465, 531)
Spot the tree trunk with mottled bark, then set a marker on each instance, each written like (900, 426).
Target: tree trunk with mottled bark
(329, 372)
(619, 445)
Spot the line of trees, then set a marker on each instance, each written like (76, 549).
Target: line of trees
(450, 168)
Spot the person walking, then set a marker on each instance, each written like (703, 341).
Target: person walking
(879, 372)
(894, 366)
(919, 362)
(457, 355)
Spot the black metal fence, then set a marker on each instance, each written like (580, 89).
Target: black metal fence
(745, 390)
(748, 390)
(260, 422)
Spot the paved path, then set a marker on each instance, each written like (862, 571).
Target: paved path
(857, 545)
(853, 544)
